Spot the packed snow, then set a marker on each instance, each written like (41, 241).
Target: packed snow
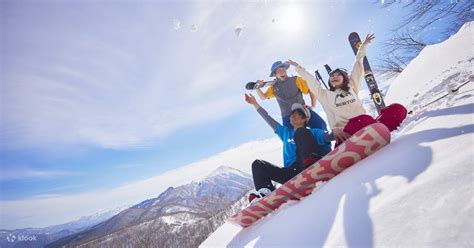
(416, 192)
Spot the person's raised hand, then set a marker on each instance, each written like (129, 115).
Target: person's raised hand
(369, 38)
(293, 63)
(249, 98)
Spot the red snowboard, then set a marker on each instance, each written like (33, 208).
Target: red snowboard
(363, 143)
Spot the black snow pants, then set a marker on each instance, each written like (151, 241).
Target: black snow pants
(306, 150)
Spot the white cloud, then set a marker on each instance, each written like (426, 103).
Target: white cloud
(20, 173)
(92, 87)
(129, 166)
(46, 196)
(98, 91)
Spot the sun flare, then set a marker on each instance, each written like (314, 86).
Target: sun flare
(291, 18)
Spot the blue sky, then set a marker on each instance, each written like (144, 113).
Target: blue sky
(96, 94)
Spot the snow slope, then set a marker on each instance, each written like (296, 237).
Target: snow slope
(416, 192)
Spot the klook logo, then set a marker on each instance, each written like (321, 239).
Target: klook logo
(12, 238)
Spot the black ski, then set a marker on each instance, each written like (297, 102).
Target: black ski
(375, 93)
(255, 85)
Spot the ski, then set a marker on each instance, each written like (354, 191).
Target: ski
(375, 93)
(255, 85)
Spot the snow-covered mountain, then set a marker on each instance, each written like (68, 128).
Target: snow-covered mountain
(184, 216)
(416, 192)
(39, 237)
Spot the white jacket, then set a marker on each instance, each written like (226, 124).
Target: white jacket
(339, 105)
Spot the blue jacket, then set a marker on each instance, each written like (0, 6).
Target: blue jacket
(286, 136)
(289, 147)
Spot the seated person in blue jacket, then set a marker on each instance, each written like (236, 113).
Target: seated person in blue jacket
(302, 146)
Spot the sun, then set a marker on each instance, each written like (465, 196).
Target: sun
(290, 18)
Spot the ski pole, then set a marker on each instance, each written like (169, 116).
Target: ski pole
(450, 92)
(320, 79)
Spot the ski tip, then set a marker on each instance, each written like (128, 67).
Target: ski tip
(234, 223)
(353, 34)
(250, 85)
(237, 223)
